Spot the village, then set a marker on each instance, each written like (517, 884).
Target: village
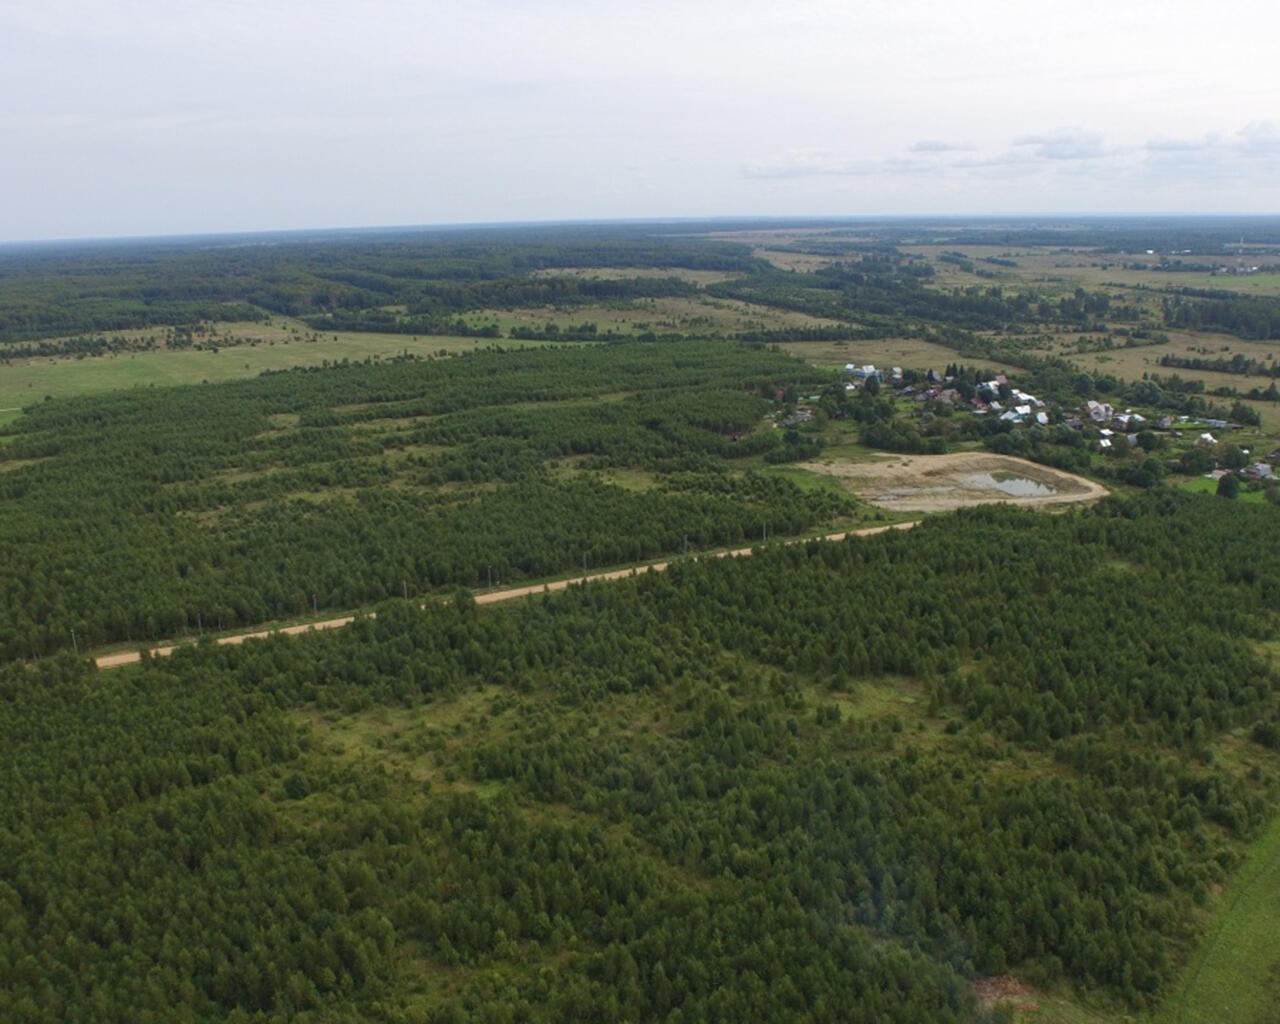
(1205, 446)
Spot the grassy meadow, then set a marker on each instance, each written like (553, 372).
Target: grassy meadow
(1235, 974)
(1065, 269)
(279, 346)
(691, 315)
(884, 352)
(690, 274)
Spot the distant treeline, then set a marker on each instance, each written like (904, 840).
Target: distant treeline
(1237, 364)
(1246, 316)
(61, 290)
(888, 293)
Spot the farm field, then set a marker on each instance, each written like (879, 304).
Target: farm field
(693, 276)
(1132, 363)
(696, 315)
(1068, 268)
(884, 352)
(23, 381)
(1138, 362)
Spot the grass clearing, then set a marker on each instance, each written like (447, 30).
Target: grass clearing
(415, 740)
(1057, 1009)
(806, 480)
(1235, 975)
(909, 353)
(879, 698)
(699, 314)
(26, 381)
(698, 277)
(1133, 364)
(1064, 269)
(1206, 485)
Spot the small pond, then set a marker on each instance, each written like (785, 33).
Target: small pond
(1011, 484)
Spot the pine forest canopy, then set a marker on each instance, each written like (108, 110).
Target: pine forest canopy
(837, 780)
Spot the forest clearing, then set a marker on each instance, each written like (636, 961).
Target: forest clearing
(939, 483)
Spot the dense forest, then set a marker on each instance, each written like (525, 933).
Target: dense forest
(890, 293)
(684, 797)
(418, 281)
(832, 781)
(162, 511)
(337, 280)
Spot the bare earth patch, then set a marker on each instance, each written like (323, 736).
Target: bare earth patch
(938, 483)
(1004, 988)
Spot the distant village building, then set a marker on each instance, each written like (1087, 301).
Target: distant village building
(802, 415)
(1099, 412)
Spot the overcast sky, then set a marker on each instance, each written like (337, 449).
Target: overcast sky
(144, 117)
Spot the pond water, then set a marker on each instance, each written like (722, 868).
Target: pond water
(1011, 484)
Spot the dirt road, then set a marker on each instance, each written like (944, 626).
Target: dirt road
(118, 658)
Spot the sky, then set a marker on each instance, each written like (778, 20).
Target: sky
(151, 117)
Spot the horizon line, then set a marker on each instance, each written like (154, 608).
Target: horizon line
(782, 219)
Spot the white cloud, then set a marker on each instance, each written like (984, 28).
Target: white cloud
(806, 163)
(1066, 145)
(163, 115)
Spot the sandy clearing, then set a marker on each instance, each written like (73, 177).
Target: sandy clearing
(940, 483)
(118, 658)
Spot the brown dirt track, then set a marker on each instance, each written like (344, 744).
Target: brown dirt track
(118, 658)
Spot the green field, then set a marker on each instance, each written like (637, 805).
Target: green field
(696, 315)
(26, 381)
(1064, 269)
(912, 353)
(1235, 975)
(1204, 485)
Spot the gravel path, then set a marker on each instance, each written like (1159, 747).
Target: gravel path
(119, 658)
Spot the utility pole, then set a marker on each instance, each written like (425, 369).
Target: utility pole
(74, 645)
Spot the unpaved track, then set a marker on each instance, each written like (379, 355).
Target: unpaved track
(119, 658)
